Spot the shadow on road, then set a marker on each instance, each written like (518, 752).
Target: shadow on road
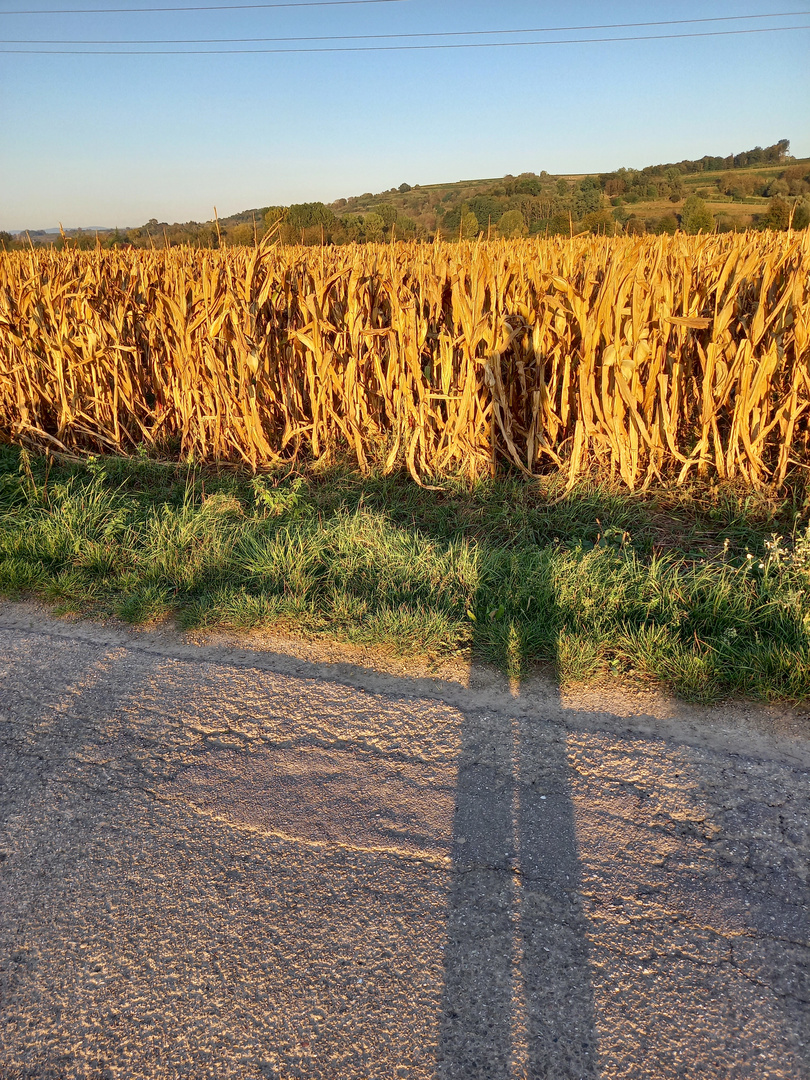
(517, 998)
(261, 844)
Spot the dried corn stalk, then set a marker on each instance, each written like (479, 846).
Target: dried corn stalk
(644, 357)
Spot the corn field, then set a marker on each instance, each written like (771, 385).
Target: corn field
(647, 359)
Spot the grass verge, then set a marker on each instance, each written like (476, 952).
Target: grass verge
(706, 591)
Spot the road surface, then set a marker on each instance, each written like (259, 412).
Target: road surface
(221, 863)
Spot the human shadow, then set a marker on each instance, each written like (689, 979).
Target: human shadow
(517, 999)
(499, 964)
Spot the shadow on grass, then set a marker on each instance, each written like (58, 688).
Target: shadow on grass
(675, 587)
(517, 998)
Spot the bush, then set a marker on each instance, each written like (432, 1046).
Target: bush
(666, 224)
(696, 216)
(777, 217)
(512, 224)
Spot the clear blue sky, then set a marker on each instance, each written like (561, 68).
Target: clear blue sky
(106, 140)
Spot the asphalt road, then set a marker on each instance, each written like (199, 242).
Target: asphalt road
(218, 863)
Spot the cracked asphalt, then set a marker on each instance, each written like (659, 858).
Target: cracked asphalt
(224, 862)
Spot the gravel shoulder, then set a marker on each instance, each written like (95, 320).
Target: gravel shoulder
(259, 857)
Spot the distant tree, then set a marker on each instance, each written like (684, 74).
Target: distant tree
(635, 226)
(487, 210)
(600, 222)
(615, 187)
(779, 151)
(726, 223)
(528, 184)
(798, 179)
(603, 222)
(403, 188)
(353, 228)
(306, 215)
(405, 226)
(78, 240)
(801, 215)
(559, 225)
(535, 208)
(242, 235)
(587, 197)
(311, 223)
(273, 215)
(373, 227)
(512, 224)
(458, 222)
(666, 224)
(388, 213)
(728, 184)
(777, 216)
(741, 186)
(696, 216)
(777, 187)
(6, 240)
(469, 225)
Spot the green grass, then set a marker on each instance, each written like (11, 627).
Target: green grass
(677, 587)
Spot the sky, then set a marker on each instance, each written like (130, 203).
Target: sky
(106, 140)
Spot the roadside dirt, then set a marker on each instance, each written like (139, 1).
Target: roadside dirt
(251, 856)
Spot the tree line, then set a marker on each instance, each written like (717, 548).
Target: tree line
(528, 204)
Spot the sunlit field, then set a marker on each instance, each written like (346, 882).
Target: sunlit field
(608, 439)
(642, 358)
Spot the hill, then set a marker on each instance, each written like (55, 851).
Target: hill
(762, 187)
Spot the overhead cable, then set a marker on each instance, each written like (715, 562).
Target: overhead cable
(399, 48)
(389, 37)
(204, 7)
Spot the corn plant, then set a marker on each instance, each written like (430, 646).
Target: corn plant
(646, 358)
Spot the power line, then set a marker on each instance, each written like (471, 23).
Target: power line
(396, 48)
(205, 7)
(388, 37)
